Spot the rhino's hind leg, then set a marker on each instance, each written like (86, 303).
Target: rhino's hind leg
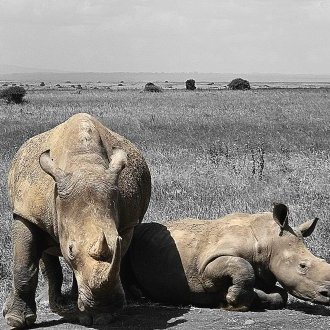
(20, 307)
(233, 278)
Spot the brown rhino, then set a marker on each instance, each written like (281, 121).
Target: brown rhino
(72, 197)
(233, 262)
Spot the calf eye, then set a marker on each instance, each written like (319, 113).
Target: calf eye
(303, 267)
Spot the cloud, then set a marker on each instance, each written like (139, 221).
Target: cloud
(172, 35)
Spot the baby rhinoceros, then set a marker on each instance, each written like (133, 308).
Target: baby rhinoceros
(77, 191)
(233, 262)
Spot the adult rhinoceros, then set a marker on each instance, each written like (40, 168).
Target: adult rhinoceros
(233, 262)
(72, 197)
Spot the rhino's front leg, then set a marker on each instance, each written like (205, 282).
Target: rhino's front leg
(239, 274)
(273, 298)
(52, 270)
(20, 307)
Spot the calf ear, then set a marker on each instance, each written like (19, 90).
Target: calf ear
(48, 165)
(280, 214)
(308, 227)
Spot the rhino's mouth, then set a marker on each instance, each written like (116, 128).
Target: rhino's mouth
(87, 303)
(321, 296)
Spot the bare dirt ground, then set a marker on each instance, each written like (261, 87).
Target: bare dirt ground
(297, 315)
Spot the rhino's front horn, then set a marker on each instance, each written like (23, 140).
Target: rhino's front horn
(100, 249)
(106, 274)
(116, 261)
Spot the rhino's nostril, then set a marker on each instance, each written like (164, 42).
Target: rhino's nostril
(324, 292)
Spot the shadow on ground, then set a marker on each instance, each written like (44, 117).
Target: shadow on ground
(308, 308)
(145, 317)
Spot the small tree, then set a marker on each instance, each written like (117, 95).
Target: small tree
(13, 94)
(239, 84)
(150, 87)
(190, 85)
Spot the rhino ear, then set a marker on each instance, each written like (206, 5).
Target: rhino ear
(48, 165)
(118, 161)
(308, 227)
(280, 214)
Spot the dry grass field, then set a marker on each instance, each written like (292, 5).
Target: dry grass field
(210, 152)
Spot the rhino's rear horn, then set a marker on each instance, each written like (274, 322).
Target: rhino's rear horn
(280, 214)
(100, 249)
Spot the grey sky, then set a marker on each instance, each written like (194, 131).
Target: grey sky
(286, 36)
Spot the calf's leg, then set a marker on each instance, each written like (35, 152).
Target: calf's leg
(234, 279)
(273, 298)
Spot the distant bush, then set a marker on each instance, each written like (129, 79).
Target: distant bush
(42, 84)
(240, 84)
(151, 87)
(68, 82)
(13, 94)
(190, 85)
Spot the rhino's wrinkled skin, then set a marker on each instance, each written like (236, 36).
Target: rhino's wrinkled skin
(77, 191)
(233, 262)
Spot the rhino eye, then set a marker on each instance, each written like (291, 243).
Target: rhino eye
(71, 255)
(303, 267)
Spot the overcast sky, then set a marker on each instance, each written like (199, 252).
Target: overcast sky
(239, 36)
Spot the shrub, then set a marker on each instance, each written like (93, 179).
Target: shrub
(13, 94)
(190, 85)
(42, 84)
(240, 84)
(150, 87)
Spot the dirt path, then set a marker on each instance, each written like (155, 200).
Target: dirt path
(296, 316)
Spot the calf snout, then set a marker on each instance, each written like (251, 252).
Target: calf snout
(324, 291)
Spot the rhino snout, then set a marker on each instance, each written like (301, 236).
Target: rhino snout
(324, 294)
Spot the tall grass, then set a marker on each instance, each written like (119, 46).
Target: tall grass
(210, 152)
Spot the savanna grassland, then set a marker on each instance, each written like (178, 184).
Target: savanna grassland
(210, 152)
